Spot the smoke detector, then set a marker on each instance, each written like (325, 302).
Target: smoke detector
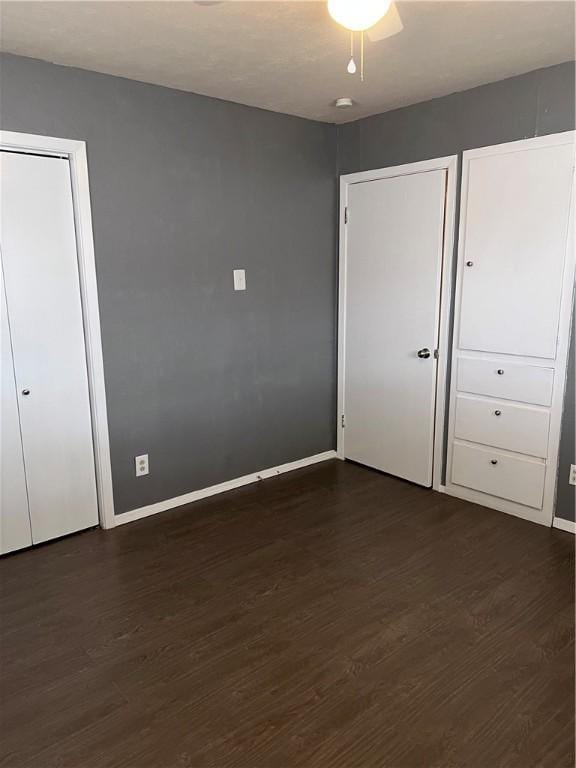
(344, 103)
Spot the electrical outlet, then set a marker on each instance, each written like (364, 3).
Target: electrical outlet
(573, 474)
(141, 465)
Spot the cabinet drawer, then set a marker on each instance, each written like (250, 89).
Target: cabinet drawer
(503, 424)
(499, 474)
(511, 381)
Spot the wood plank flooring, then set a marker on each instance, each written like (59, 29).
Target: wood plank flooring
(332, 617)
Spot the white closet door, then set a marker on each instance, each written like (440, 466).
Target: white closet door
(44, 307)
(393, 276)
(15, 530)
(514, 236)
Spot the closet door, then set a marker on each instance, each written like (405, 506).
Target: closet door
(515, 225)
(392, 272)
(44, 308)
(15, 530)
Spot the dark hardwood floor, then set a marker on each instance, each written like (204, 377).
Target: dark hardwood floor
(329, 618)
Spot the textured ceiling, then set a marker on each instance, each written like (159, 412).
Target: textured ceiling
(290, 56)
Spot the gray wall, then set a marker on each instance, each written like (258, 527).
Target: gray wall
(215, 384)
(534, 104)
(212, 384)
(566, 499)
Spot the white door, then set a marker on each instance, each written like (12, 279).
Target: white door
(513, 250)
(15, 530)
(38, 248)
(393, 272)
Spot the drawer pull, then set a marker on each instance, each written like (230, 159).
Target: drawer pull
(494, 462)
(497, 413)
(500, 371)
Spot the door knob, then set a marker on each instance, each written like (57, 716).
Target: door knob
(497, 413)
(25, 391)
(469, 263)
(494, 461)
(424, 353)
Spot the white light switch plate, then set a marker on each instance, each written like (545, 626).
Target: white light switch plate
(573, 474)
(141, 465)
(239, 279)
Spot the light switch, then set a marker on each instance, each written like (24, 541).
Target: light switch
(239, 279)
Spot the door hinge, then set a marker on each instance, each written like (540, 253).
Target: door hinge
(342, 421)
(436, 354)
(346, 215)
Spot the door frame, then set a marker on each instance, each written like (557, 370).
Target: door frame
(75, 152)
(450, 165)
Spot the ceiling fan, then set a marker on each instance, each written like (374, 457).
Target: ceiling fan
(379, 19)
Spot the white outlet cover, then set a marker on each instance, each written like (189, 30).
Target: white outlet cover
(141, 463)
(573, 474)
(239, 279)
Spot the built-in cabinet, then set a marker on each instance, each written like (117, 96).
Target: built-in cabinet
(515, 277)
(48, 485)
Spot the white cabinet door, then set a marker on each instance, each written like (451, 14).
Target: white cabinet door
(15, 530)
(44, 306)
(392, 299)
(515, 208)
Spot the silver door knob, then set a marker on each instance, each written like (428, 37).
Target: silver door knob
(424, 353)
(25, 391)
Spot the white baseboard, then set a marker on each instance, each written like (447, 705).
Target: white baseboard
(564, 525)
(229, 485)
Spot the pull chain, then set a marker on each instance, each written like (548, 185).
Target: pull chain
(351, 64)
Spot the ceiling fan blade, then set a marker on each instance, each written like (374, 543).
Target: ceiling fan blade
(390, 25)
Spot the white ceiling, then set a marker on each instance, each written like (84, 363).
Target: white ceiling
(290, 56)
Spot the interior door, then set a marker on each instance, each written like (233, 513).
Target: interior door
(516, 212)
(15, 530)
(393, 279)
(38, 248)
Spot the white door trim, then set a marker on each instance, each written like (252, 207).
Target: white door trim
(450, 165)
(75, 152)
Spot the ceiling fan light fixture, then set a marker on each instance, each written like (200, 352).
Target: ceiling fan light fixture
(358, 15)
